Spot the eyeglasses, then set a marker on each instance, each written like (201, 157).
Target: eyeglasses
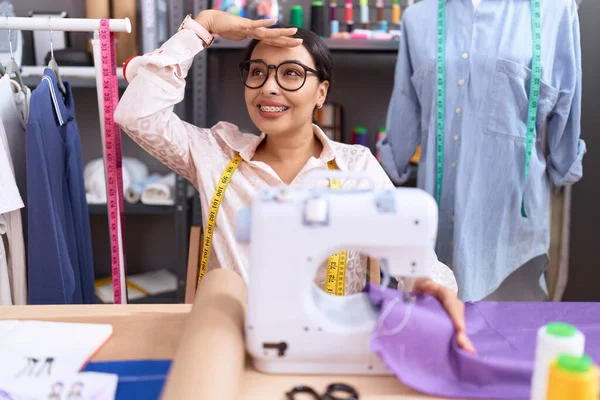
(290, 75)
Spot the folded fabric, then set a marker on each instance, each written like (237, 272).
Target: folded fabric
(95, 181)
(417, 342)
(161, 192)
(137, 169)
(138, 379)
(133, 194)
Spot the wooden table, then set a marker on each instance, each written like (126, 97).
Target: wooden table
(151, 331)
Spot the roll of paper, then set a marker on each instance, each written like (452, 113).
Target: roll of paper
(553, 339)
(209, 363)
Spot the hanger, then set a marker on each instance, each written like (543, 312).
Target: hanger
(52, 63)
(12, 66)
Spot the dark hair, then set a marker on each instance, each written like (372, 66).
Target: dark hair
(316, 47)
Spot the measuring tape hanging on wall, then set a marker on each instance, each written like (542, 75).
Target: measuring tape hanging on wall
(534, 92)
(114, 162)
(335, 279)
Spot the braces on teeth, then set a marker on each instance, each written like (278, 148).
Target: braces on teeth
(273, 109)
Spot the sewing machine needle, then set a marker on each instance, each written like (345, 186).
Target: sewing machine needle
(408, 286)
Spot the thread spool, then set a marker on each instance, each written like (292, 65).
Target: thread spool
(361, 136)
(364, 12)
(573, 378)
(332, 7)
(297, 16)
(317, 18)
(395, 12)
(380, 136)
(383, 26)
(379, 5)
(348, 14)
(335, 27)
(552, 340)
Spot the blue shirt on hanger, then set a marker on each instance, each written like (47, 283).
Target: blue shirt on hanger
(482, 235)
(59, 250)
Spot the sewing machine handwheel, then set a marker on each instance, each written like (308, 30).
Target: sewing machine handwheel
(340, 387)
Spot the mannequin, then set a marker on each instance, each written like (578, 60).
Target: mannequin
(493, 203)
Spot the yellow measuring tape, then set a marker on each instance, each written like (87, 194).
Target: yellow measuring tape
(335, 280)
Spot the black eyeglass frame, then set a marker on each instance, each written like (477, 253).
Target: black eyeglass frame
(276, 68)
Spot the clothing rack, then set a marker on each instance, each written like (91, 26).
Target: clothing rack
(79, 25)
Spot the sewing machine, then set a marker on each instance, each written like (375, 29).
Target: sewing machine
(292, 325)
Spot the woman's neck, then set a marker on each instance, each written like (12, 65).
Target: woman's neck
(295, 148)
(288, 154)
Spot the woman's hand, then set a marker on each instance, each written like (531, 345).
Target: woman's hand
(232, 27)
(453, 306)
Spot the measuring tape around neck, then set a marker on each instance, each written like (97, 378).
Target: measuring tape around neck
(335, 279)
(534, 92)
(113, 162)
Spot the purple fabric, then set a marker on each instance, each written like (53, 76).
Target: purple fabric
(425, 357)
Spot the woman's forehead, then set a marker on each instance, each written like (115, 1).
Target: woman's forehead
(275, 55)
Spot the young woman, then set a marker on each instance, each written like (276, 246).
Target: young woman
(287, 73)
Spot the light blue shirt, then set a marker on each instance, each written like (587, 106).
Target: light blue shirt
(482, 235)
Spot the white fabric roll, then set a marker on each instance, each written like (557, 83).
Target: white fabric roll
(161, 192)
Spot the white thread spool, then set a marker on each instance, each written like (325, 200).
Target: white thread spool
(552, 340)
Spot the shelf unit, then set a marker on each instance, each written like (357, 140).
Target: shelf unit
(353, 45)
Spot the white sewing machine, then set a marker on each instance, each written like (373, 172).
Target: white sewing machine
(292, 325)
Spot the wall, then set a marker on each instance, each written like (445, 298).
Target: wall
(584, 276)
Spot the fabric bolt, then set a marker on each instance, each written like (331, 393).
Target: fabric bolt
(59, 240)
(94, 177)
(160, 192)
(14, 111)
(418, 343)
(482, 235)
(145, 113)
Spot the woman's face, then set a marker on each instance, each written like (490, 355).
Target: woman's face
(274, 110)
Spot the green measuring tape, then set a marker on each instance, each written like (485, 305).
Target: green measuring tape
(534, 91)
(440, 97)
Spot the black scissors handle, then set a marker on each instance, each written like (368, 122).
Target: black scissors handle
(291, 395)
(352, 394)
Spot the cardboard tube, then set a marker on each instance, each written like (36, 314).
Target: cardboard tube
(209, 362)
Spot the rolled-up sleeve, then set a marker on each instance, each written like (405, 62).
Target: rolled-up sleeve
(403, 116)
(146, 110)
(566, 149)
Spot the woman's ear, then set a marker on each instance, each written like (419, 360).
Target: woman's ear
(322, 92)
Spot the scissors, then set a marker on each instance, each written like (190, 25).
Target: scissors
(351, 393)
